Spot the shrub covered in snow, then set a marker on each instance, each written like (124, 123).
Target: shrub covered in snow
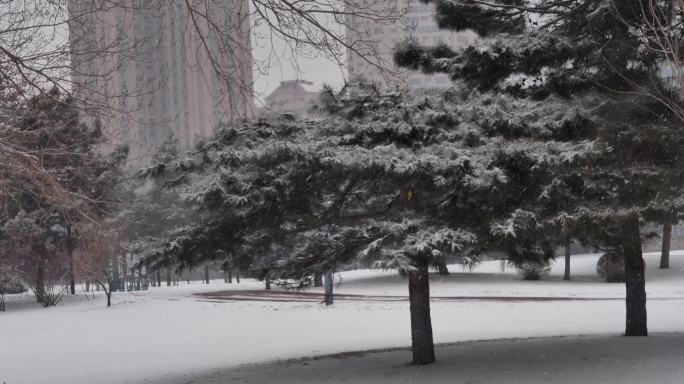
(533, 269)
(11, 285)
(611, 266)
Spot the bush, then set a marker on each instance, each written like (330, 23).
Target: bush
(611, 266)
(533, 269)
(10, 285)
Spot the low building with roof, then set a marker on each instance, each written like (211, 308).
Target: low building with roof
(296, 97)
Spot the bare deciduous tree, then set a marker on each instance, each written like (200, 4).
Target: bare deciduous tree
(661, 27)
(46, 43)
(99, 256)
(77, 46)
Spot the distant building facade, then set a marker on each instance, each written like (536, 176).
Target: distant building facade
(146, 63)
(371, 60)
(293, 96)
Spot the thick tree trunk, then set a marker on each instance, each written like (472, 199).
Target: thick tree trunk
(229, 271)
(267, 280)
(328, 283)
(237, 276)
(566, 276)
(2, 302)
(87, 286)
(168, 277)
(318, 280)
(442, 266)
(665, 251)
(206, 274)
(158, 272)
(421, 323)
(635, 282)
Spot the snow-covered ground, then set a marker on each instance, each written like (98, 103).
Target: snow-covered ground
(167, 335)
(567, 360)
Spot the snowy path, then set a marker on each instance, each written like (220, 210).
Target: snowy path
(167, 331)
(316, 297)
(566, 360)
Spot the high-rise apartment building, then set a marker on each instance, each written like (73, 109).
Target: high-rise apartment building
(374, 43)
(162, 69)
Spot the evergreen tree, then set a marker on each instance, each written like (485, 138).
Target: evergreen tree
(391, 182)
(388, 182)
(571, 70)
(38, 232)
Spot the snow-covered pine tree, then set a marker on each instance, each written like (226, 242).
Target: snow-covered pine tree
(579, 72)
(397, 183)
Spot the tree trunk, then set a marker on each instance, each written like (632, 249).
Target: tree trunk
(318, 280)
(70, 257)
(268, 283)
(328, 282)
(168, 277)
(566, 276)
(635, 282)
(237, 276)
(40, 281)
(141, 280)
(158, 272)
(442, 266)
(229, 271)
(124, 273)
(421, 324)
(206, 274)
(108, 293)
(116, 278)
(87, 286)
(665, 251)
